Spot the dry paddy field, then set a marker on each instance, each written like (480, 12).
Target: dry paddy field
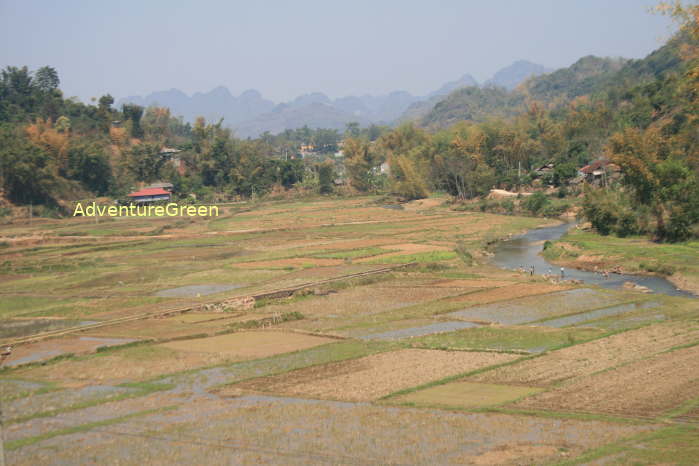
(381, 344)
(647, 388)
(373, 377)
(585, 359)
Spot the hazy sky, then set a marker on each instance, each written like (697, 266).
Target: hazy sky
(287, 48)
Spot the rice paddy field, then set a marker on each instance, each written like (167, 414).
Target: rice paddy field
(329, 331)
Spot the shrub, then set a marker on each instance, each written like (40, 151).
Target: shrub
(552, 210)
(508, 205)
(601, 210)
(627, 224)
(463, 253)
(536, 202)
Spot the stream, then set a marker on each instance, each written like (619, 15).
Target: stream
(524, 251)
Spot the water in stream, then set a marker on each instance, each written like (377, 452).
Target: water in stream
(524, 251)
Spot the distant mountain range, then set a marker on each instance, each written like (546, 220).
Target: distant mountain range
(250, 114)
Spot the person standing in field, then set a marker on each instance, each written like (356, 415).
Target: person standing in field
(563, 273)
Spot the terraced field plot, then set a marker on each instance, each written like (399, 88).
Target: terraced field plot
(374, 376)
(251, 344)
(585, 359)
(43, 350)
(193, 392)
(530, 309)
(465, 395)
(261, 429)
(647, 387)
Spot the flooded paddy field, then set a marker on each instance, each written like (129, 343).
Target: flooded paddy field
(43, 350)
(253, 430)
(341, 359)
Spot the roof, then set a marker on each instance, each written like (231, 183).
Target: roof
(149, 192)
(596, 165)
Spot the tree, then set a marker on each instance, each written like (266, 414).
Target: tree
(27, 172)
(352, 129)
(88, 164)
(46, 79)
(359, 161)
(145, 162)
(458, 165)
(563, 172)
(407, 183)
(133, 113)
(657, 175)
(105, 103)
(326, 176)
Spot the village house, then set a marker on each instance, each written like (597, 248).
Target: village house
(149, 195)
(545, 169)
(175, 159)
(600, 172)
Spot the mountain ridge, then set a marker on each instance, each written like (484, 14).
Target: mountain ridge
(250, 114)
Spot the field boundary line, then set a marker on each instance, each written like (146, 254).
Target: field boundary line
(279, 293)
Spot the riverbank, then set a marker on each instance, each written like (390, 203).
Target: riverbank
(585, 250)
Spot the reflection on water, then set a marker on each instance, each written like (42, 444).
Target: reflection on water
(440, 327)
(597, 314)
(529, 309)
(523, 251)
(192, 291)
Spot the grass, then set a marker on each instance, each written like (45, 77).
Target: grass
(141, 389)
(634, 254)
(27, 441)
(676, 444)
(506, 338)
(420, 257)
(353, 253)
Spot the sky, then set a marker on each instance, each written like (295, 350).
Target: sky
(288, 48)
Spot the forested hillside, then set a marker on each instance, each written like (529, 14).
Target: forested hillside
(641, 115)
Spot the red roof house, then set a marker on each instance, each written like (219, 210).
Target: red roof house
(148, 195)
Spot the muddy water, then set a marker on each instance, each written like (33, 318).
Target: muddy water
(441, 327)
(192, 291)
(524, 251)
(597, 314)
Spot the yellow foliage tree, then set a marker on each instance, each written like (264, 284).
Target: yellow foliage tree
(42, 134)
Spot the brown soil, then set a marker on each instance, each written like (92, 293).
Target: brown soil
(250, 345)
(587, 358)
(144, 362)
(405, 248)
(422, 204)
(514, 454)
(471, 283)
(684, 283)
(647, 387)
(295, 262)
(372, 377)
